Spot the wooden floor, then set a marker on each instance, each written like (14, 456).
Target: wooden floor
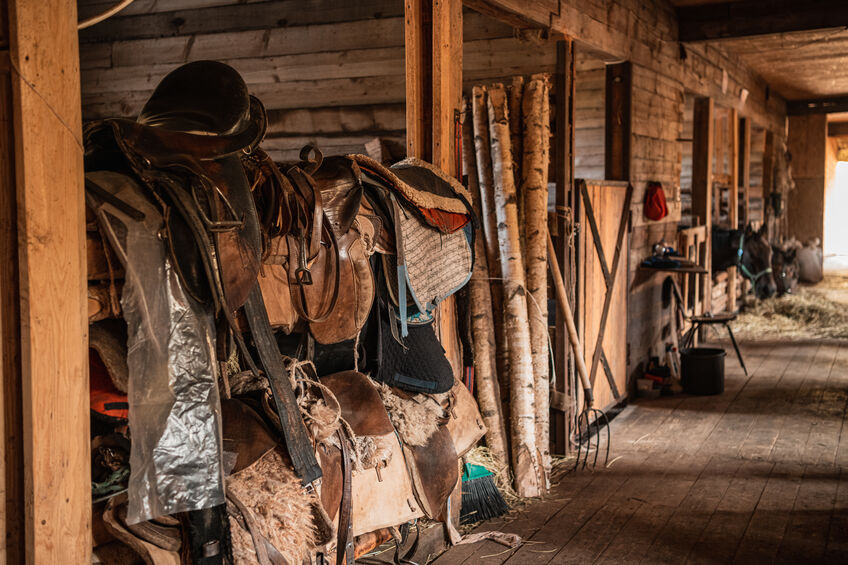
(758, 474)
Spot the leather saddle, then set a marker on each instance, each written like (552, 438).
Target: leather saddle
(315, 268)
(184, 147)
(185, 150)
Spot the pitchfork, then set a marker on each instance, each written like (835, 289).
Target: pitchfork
(590, 417)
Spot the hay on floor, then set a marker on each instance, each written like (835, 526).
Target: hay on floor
(814, 312)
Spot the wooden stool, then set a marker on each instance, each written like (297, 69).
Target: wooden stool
(724, 319)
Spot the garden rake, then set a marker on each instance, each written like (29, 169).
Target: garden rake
(590, 421)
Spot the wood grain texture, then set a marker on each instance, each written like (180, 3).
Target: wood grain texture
(536, 137)
(691, 481)
(482, 315)
(51, 255)
(525, 462)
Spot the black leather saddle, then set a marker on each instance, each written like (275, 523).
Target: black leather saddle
(185, 148)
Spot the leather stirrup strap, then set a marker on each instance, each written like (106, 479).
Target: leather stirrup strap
(294, 431)
(344, 545)
(253, 529)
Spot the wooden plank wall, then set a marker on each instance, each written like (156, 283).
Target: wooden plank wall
(644, 32)
(328, 72)
(805, 205)
(589, 96)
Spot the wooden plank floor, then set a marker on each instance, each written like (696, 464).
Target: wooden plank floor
(758, 474)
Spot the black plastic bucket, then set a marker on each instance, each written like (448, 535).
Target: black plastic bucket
(702, 370)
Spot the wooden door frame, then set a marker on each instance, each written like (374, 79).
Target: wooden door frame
(43, 296)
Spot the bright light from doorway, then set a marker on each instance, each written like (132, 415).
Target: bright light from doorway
(835, 244)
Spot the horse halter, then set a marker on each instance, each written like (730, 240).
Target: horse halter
(746, 272)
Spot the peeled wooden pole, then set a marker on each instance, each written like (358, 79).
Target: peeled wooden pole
(482, 327)
(515, 94)
(573, 338)
(525, 461)
(534, 190)
(490, 229)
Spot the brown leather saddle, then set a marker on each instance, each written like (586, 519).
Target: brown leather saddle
(316, 267)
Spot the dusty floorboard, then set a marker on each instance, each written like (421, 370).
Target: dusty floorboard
(758, 474)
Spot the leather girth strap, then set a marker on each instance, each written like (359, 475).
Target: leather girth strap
(297, 440)
(344, 545)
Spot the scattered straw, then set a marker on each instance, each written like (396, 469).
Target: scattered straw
(819, 311)
(483, 457)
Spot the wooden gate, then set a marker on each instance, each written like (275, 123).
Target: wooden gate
(602, 285)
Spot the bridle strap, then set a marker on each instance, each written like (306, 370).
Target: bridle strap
(746, 272)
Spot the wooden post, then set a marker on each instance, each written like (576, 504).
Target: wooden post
(702, 177)
(563, 159)
(745, 169)
(44, 310)
(768, 185)
(733, 200)
(433, 101)
(618, 112)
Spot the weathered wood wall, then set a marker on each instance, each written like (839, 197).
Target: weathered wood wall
(645, 33)
(589, 103)
(807, 142)
(329, 72)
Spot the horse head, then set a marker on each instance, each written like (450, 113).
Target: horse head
(756, 262)
(785, 268)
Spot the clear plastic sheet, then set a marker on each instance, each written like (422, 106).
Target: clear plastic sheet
(176, 459)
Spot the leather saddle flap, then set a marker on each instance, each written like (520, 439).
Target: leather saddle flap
(384, 496)
(434, 471)
(465, 425)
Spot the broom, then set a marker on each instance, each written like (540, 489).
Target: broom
(481, 499)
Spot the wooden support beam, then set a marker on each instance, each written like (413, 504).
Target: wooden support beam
(745, 169)
(433, 102)
(754, 17)
(830, 105)
(43, 290)
(837, 129)
(563, 160)
(702, 177)
(733, 200)
(618, 122)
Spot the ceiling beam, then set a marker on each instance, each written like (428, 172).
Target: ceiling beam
(837, 129)
(755, 17)
(829, 105)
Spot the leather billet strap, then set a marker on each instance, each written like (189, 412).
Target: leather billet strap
(344, 545)
(294, 431)
(304, 252)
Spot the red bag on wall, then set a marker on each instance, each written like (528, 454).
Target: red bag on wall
(655, 206)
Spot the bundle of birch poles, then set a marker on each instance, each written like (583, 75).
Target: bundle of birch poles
(506, 152)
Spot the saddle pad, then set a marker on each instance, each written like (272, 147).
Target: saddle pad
(434, 264)
(415, 363)
(435, 202)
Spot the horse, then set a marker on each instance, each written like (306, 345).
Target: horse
(786, 268)
(750, 251)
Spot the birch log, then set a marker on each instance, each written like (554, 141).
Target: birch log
(525, 462)
(534, 190)
(515, 94)
(490, 230)
(480, 303)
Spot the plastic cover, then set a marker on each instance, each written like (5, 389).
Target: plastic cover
(174, 406)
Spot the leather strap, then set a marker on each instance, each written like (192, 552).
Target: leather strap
(294, 431)
(259, 541)
(344, 545)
